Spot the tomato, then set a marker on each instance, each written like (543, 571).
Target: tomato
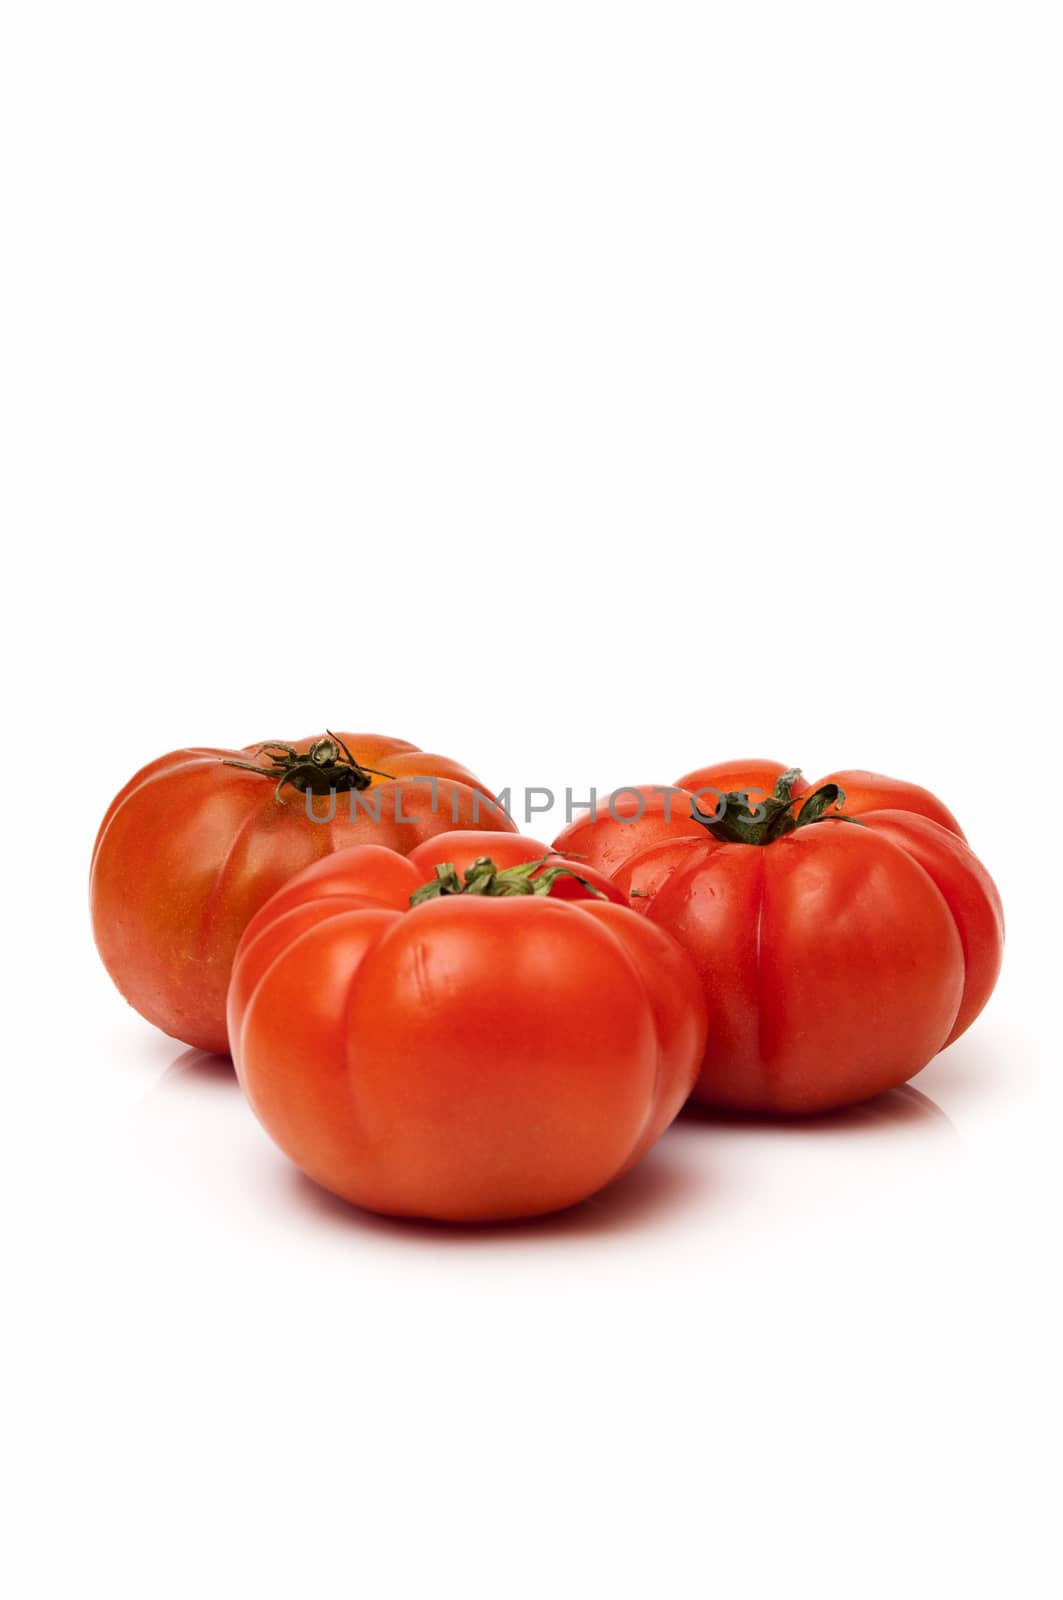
(838, 951)
(198, 840)
(493, 1051)
(631, 819)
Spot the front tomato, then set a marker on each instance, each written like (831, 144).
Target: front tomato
(492, 1052)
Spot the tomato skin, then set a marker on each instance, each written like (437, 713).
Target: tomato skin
(472, 1059)
(836, 961)
(368, 877)
(191, 848)
(679, 1012)
(969, 892)
(754, 777)
(872, 791)
(376, 874)
(627, 821)
(640, 876)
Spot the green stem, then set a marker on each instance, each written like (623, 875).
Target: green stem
(484, 878)
(737, 823)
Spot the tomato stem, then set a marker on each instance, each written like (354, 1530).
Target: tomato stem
(328, 767)
(736, 821)
(484, 878)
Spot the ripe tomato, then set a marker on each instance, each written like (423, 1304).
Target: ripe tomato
(493, 1051)
(630, 819)
(838, 953)
(198, 840)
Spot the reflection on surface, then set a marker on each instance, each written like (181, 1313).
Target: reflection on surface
(693, 1167)
(980, 1064)
(906, 1107)
(200, 1067)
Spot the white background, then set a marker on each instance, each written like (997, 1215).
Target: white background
(589, 392)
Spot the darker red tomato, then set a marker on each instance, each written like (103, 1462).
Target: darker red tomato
(837, 956)
(479, 1056)
(197, 841)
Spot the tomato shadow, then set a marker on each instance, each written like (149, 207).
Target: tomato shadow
(200, 1069)
(661, 1184)
(904, 1107)
(980, 1064)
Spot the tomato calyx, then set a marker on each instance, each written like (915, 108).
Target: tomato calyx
(736, 821)
(328, 767)
(484, 878)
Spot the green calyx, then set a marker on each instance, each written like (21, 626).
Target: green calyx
(774, 817)
(326, 768)
(484, 878)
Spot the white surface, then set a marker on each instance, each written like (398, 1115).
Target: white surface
(588, 392)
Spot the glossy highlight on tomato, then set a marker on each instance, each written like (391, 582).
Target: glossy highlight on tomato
(502, 1048)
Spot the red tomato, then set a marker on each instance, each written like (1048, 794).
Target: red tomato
(480, 1056)
(198, 840)
(837, 956)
